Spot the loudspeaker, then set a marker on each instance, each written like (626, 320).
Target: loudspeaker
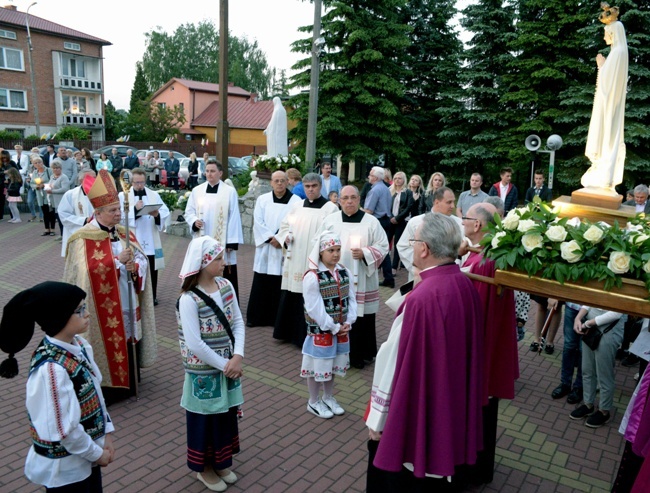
(533, 142)
(554, 142)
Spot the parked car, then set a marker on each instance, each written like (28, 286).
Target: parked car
(248, 159)
(236, 166)
(164, 154)
(43, 148)
(121, 150)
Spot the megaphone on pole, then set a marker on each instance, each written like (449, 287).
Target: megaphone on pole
(533, 142)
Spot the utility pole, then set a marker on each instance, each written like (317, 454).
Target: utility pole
(37, 121)
(316, 46)
(222, 124)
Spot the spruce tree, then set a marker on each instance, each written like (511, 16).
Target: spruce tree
(139, 92)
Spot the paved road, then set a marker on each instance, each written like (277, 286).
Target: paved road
(284, 448)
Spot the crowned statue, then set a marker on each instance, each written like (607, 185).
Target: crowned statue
(605, 145)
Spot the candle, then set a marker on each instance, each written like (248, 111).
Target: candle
(355, 242)
(199, 206)
(38, 181)
(291, 219)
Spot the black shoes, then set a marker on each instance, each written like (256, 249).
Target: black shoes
(630, 360)
(598, 419)
(155, 302)
(549, 349)
(388, 284)
(582, 412)
(561, 391)
(575, 396)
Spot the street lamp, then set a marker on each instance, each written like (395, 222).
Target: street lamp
(31, 72)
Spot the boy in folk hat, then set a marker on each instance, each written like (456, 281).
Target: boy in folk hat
(70, 426)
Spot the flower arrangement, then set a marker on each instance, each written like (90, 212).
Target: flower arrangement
(270, 163)
(169, 197)
(534, 240)
(182, 200)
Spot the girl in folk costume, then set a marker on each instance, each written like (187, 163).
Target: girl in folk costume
(70, 426)
(330, 311)
(211, 333)
(13, 193)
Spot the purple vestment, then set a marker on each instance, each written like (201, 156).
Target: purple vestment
(434, 420)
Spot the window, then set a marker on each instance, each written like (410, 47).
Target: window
(74, 104)
(11, 59)
(13, 100)
(162, 106)
(7, 34)
(72, 67)
(72, 46)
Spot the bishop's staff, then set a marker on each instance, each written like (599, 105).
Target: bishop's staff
(125, 181)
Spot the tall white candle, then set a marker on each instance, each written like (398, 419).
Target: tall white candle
(355, 242)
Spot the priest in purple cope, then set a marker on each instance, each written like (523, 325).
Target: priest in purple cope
(433, 429)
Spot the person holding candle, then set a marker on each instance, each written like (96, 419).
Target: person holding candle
(364, 245)
(330, 311)
(295, 235)
(40, 177)
(270, 209)
(213, 209)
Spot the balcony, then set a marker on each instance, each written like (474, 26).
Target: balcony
(84, 120)
(80, 84)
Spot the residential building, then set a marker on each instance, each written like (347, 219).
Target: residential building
(68, 73)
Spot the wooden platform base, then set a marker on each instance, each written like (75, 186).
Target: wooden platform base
(568, 208)
(588, 197)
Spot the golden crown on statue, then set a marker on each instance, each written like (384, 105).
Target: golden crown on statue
(609, 14)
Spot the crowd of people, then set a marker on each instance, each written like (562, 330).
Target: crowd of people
(316, 281)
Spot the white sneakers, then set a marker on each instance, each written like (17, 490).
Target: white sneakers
(333, 406)
(319, 409)
(325, 408)
(14, 221)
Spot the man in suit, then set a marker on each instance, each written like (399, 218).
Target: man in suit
(49, 155)
(640, 201)
(172, 166)
(331, 183)
(541, 190)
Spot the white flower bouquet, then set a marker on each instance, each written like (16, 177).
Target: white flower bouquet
(270, 163)
(532, 239)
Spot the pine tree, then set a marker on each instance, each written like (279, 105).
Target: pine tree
(361, 90)
(139, 93)
(491, 24)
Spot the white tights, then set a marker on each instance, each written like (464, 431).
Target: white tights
(314, 388)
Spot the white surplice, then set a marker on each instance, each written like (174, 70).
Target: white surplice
(73, 211)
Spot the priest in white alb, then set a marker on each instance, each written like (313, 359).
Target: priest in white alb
(213, 210)
(363, 247)
(270, 209)
(75, 210)
(296, 233)
(147, 225)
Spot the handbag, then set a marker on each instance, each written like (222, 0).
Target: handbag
(593, 336)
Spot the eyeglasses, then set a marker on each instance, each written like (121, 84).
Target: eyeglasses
(412, 242)
(469, 218)
(81, 310)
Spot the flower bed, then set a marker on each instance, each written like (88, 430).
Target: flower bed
(533, 240)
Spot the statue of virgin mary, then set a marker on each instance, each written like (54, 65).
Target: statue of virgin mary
(605, 146)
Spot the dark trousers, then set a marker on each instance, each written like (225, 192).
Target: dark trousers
(172, 182)
(154, 274)
(627, 471)
(386, 264)
(483, 471)
(58, 219)
(92, 484)
(49, 217)
(2, 200)
(398, 230)
(363, 339)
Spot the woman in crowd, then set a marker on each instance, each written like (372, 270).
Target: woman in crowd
(59, 184)
(5, 164)
(14, 183)
(417, 191)
(40, 177)
(104, 163)
(193, 171)
(437, 180)
(81, 162)
(157, 165)
(31, 194)
(211, 332)
(88, 157)
(401, 211)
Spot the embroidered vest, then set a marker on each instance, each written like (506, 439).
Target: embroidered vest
(212, 332)
(79, 371)
(335, 298)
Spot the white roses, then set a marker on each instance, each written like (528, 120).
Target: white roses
(556, 233)
(619, 262)
(497, 239)
(532, 241)
(637, 238)
(571, 251)
(525, 225)
(594, 234)
(646, 267)
(511, 221)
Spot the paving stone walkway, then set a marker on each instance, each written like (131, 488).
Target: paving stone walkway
(284, 448)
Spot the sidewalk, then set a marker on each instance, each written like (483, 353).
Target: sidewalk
(284, 448)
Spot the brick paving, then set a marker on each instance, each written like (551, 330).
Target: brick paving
(284, 448)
